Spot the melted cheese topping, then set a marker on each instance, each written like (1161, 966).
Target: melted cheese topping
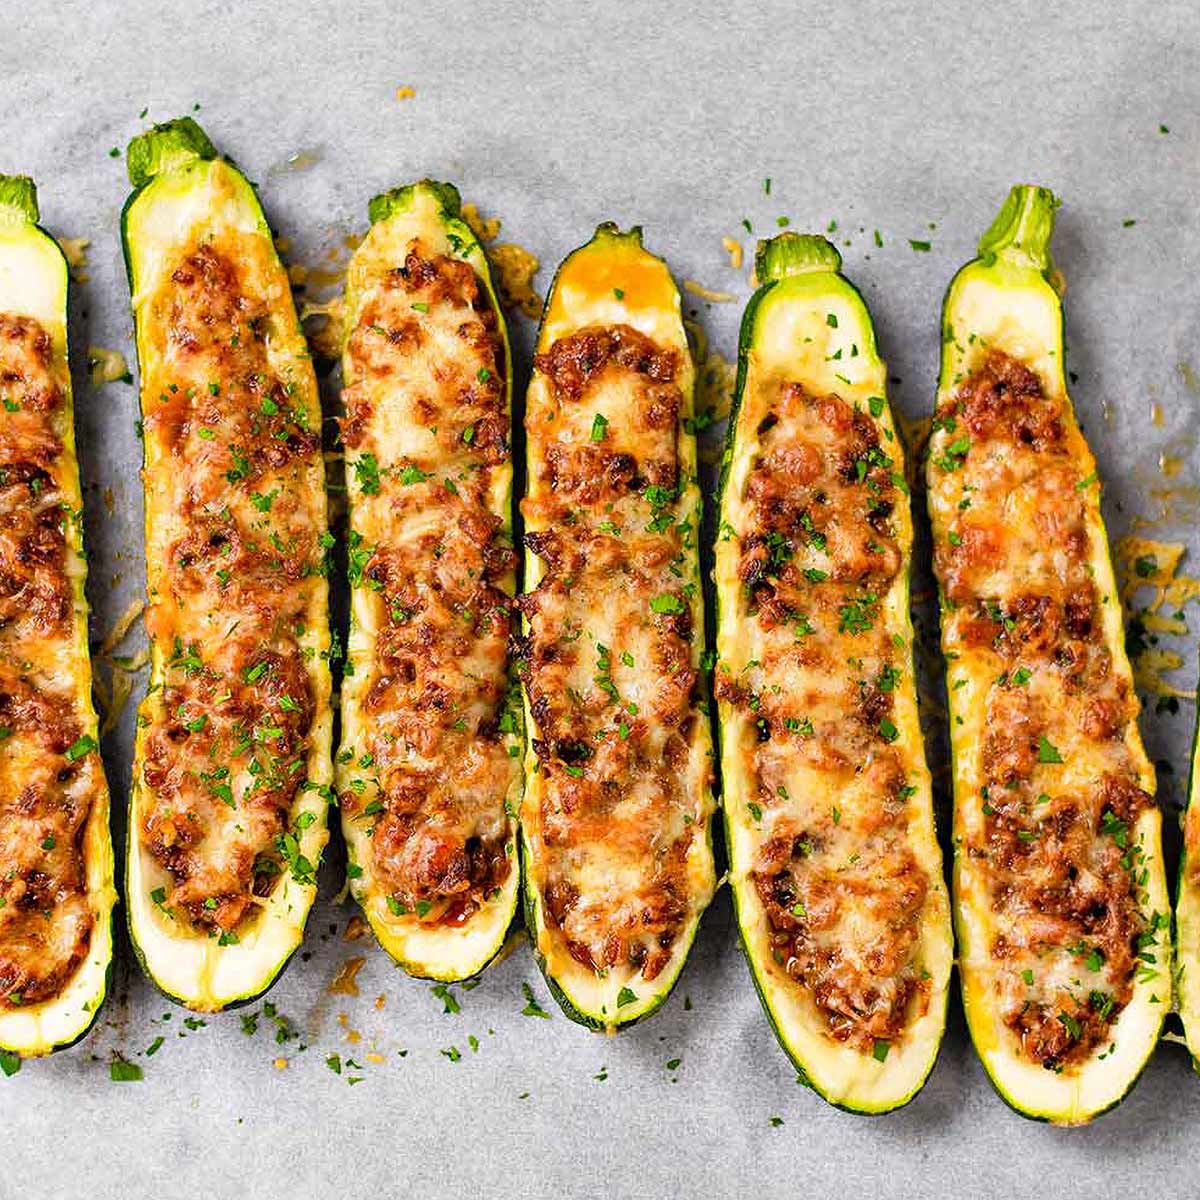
(430, 767)
(236, 724)
(816, 681)
(1051, 778)
(616, 814)
(52, 784)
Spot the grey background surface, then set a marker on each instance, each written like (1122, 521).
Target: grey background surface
(904, 117)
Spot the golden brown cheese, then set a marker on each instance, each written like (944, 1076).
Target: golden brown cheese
(1060, 783)
(607, 663)
(818, 552)
(50, 773)
(236, 553)
(427, 434)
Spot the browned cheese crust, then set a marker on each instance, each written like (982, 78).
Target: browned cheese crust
(227, 735)
(1063, 874)
(433, 772)
(616, 713)
(50, 775)
(843, 892)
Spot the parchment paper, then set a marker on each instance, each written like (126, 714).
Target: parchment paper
(908, 118)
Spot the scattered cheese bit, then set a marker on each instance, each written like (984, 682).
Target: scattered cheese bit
(297, 274)
(716, 376)
(1145, 563)
(75, 252)
(122, 687)
(281, 1064)
(405, 92)
(734, 249)
(326, 338)
(283, 245)
(380, 1000)
(355, 928)
(486, 229)
(374, 1057)
(515, 268)
(107, 366)
(345, 982)
(124, 623)
(697, 289)
(353, 1037)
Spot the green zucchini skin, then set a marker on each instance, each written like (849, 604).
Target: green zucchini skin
(151, 156)
(1186, 914)
(19, 219)
(428, 209)
(1014, 253)
(607, 234)
(778, 260)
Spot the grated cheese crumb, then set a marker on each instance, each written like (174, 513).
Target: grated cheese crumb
(515, 269)
(486, 229)
(107, 366)
(697, 289)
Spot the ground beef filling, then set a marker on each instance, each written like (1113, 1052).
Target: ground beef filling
(842, 892)
(50, 775)
(609, 620)
(435, 773)
(1062, 868)
(225, 747)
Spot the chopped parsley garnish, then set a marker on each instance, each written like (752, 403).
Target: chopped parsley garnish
(1046, 752)
(532, 1007)
(857, 616)
(599, 427)
(366, 474)
(411, 475)
(666, 604)
(81, 746)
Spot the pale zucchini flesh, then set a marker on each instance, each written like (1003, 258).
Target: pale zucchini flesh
(613, 282)
(424, 218)
(34, 283)
(808, 326)
(186, 196)
(1005, 301)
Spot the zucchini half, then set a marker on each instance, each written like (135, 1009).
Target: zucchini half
(608, 634)
(427, 460)
(1187, 912)
(820, 739)
(187, 201)
(1045, 747)
(34, 283)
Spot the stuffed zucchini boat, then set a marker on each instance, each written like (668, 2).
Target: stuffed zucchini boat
(232, 772)
(1060, 893)
(833, 855)
(56, 855)
(1187, 913)
(429, 768)
(616, 821)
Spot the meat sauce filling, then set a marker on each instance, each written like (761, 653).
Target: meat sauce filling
(226, 737)
(608, 662)
(1061, 868)
(50, 774)
(439, 761)
(841, 889)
